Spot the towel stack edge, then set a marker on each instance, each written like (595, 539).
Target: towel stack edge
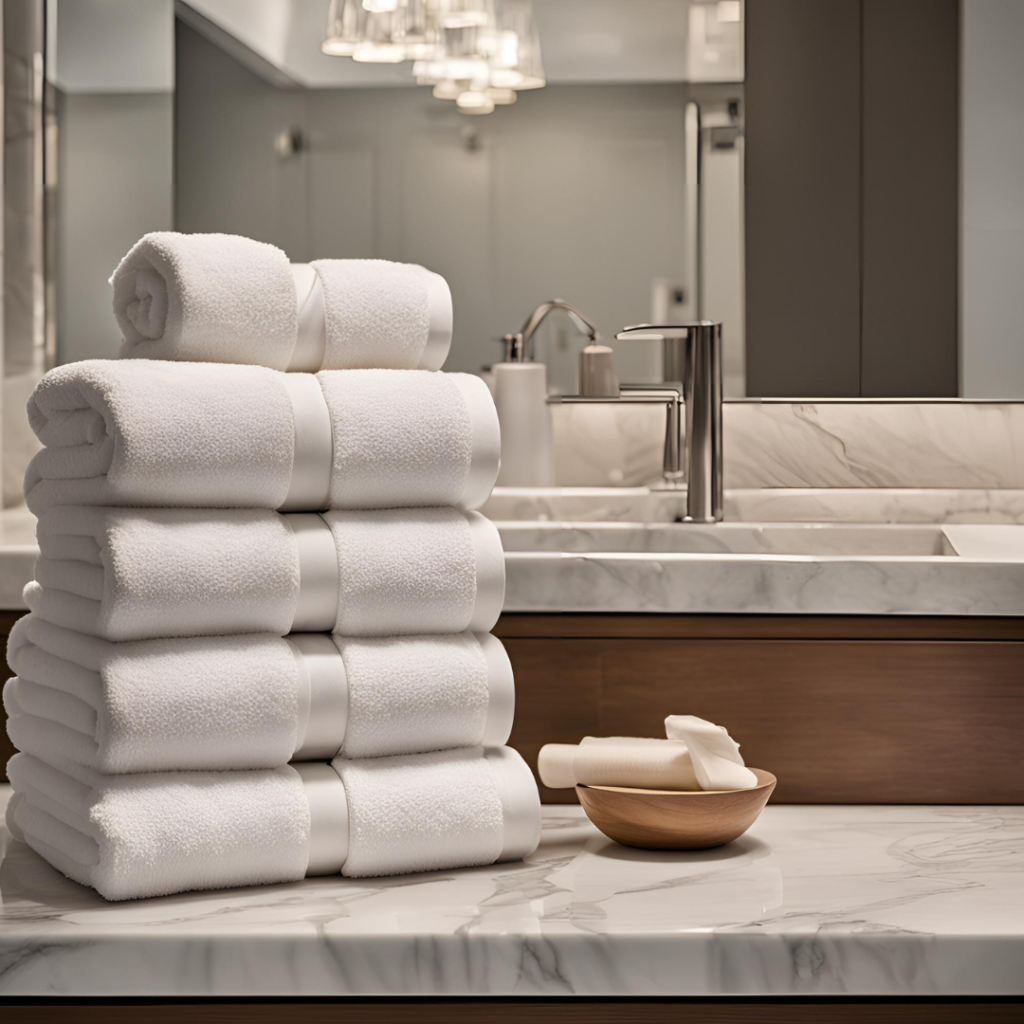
(259, 642)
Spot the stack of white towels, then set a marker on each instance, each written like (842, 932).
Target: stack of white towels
(258, 646)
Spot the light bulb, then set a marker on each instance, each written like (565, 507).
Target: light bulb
(338, 47)
(379, 53)
(474, 102)
(502, 97)
(449, 90)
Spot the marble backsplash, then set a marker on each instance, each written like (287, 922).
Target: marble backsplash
(849, 444)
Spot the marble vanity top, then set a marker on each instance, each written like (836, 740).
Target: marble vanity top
(838, 553)
(896, 901)
(779, 551)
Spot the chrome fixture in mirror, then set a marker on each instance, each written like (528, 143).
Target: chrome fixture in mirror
(694, 351)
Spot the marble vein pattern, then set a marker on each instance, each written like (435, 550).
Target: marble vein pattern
(767, 568)
(762, 505)
(892, 901)
(856, 443)
(674, 582)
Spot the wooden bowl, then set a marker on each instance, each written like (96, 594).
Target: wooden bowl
(665, 819)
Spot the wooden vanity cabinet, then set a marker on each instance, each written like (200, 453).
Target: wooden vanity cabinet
(843, 709)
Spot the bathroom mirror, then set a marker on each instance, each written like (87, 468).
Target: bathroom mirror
(860, 216)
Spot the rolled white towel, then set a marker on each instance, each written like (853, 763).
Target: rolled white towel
(250, 701)
(136, 574)
(131, 836)
(149, 434)
(227, 299)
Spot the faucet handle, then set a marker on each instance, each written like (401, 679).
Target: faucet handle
(663, 332)
(515, 350)
(676, 341)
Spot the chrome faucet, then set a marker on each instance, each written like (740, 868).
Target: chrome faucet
(692, 375)
(519, 347)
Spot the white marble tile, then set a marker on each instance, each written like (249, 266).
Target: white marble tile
(762, 505)
(813, 900)
(767, 584)
(944, 444)
(874, 444)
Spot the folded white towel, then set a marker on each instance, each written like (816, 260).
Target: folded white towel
(696, 755)
(227, 299)
(136, 574)
(130, 836)
(152, 434)
(428, 812)
(250, 701)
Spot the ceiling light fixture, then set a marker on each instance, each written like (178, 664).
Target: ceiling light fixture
(480, 53)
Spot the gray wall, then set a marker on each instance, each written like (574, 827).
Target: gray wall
(992, 348)
(115, 184)
(852, 197)
(575, 192)
(228, 176)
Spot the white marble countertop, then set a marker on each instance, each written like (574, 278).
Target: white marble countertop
(838, 553)
(895, 901)
(779, 551)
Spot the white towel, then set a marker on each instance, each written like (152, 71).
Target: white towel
(152, 434)
(429, 812)
(136, 574)
(227, 299)
(250, 701)
(130, 836)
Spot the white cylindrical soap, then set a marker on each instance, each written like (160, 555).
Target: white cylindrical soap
(617, 761)
(527, 439)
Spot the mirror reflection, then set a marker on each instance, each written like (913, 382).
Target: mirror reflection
(837, 184)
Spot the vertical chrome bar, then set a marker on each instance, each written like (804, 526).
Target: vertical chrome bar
(672, 463)
(694, 226)
(703, 397)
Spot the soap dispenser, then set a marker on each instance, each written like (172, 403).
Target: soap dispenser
(520, 394)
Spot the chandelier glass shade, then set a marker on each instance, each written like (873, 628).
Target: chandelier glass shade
(480, 53)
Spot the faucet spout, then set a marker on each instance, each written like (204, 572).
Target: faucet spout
(523, 341)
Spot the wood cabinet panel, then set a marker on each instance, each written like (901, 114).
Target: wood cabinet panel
(839, 721)
(859, 720)
(558, 696)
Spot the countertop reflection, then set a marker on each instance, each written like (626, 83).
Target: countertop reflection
(813, 900)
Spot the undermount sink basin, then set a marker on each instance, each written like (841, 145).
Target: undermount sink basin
(815, 539)
(637, 557)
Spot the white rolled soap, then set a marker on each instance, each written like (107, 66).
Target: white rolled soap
(697, 754)
(617, 761)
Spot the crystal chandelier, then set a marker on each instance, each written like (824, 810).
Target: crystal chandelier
(479, 53)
